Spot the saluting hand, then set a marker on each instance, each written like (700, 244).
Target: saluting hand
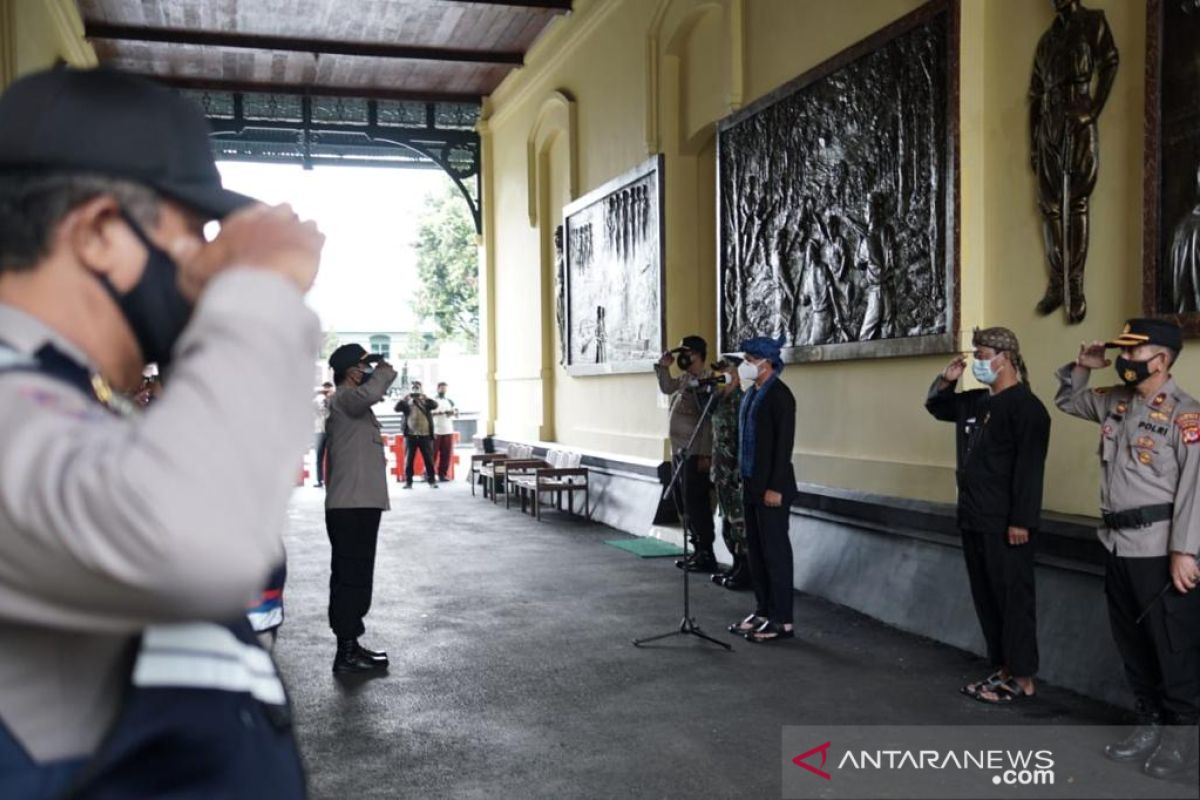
(1017, 536)
(666, 360)
(1185, 573)
(271, 238)
(954, 369)
(1091, 356)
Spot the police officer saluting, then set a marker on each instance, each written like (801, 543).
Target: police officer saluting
(131, 542)
(1150, 465)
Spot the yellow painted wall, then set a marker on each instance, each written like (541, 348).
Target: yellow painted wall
(36, 34)
(861, 424)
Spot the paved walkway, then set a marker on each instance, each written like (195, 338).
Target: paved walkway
(513, 675)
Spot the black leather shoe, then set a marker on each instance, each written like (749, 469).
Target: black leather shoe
(1176, 753)
(379, 657)
(350, 660)
(736, 581)
(704, 562)
(683, 562)
(1141, 742)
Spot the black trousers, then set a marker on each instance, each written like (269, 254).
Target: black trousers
(352, 534)
(1160, 652)
(694, 496)
(411, 445)
(769, 554)
(1002, 586)
(322, 444)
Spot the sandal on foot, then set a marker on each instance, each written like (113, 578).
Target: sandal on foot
(769, 632)
(1006, 692)
(747, 625)
(974, 688)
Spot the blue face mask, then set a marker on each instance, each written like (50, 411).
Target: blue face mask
(983, 372)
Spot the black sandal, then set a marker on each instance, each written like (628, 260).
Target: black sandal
(973, 689)
(747, 625)
(1007, 692)
(769, 632)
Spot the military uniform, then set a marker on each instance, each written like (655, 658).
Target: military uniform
(1150, 469)
(725, 473)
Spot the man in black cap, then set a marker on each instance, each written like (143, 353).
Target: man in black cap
(1150, 470)
(689, 394)
(1002, 435)
(130, 542)
(356, 495)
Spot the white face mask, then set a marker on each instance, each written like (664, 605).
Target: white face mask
(748, 371)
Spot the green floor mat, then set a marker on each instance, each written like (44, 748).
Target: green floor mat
(646, 547)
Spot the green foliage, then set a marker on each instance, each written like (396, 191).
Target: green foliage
(448, 269)
(331, 343)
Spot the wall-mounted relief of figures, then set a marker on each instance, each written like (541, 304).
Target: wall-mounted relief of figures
(1171, 225)
(837, 200)
(613, 275)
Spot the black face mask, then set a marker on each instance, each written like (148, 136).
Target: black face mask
(154, 308)
(683, 360)
(1133, 372)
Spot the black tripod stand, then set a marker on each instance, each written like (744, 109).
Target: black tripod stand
(687, 625)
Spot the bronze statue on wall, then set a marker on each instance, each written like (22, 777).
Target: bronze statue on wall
(1073, 72)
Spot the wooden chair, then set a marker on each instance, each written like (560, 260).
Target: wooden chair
(494, 472)
(478, 462)
(563, 476)
(519, 477)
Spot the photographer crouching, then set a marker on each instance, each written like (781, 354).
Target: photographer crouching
(418, 432)
(689, 393)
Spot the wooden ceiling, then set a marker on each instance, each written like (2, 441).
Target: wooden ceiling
(457, 50)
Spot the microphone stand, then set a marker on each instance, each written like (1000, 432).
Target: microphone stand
(687, 626)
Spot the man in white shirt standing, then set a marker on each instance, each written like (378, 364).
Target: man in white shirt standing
(443, 432)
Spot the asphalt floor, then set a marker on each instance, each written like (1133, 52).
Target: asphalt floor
(513, 673)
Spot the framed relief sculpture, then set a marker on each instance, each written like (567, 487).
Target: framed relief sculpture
(613, 275)
(838, 201)
(1171, 218)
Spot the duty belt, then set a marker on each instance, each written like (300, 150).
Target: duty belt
(1135, 518)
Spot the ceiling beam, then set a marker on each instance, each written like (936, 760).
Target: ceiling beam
(206, 85)
(555, 5)
(287, 44)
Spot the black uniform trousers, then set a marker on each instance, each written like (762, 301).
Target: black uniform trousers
(1002, 586)
(694, 496)
(1160, 652)
(353, 533)
(425, 445)
(769, 554)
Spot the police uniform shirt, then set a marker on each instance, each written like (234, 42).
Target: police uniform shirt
(687, 403)
(111, 524)
(1001, 442)
(1149, 455)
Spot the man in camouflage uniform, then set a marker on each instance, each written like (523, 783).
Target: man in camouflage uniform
(1150, 468)
(726, 476)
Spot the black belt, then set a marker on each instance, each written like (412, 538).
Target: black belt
(1138, 517)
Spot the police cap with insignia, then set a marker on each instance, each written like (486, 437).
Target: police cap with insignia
(696, 344)
(350, 355)
(1144, 330)
(106, 122)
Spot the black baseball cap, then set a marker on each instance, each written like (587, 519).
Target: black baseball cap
(694, 343)
(106, 122)
(1144, 330)
(347, 356)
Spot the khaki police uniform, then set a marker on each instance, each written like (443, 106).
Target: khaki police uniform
(110, 524)
(1150, 476)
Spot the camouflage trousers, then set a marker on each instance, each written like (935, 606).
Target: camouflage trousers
(729, 500)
